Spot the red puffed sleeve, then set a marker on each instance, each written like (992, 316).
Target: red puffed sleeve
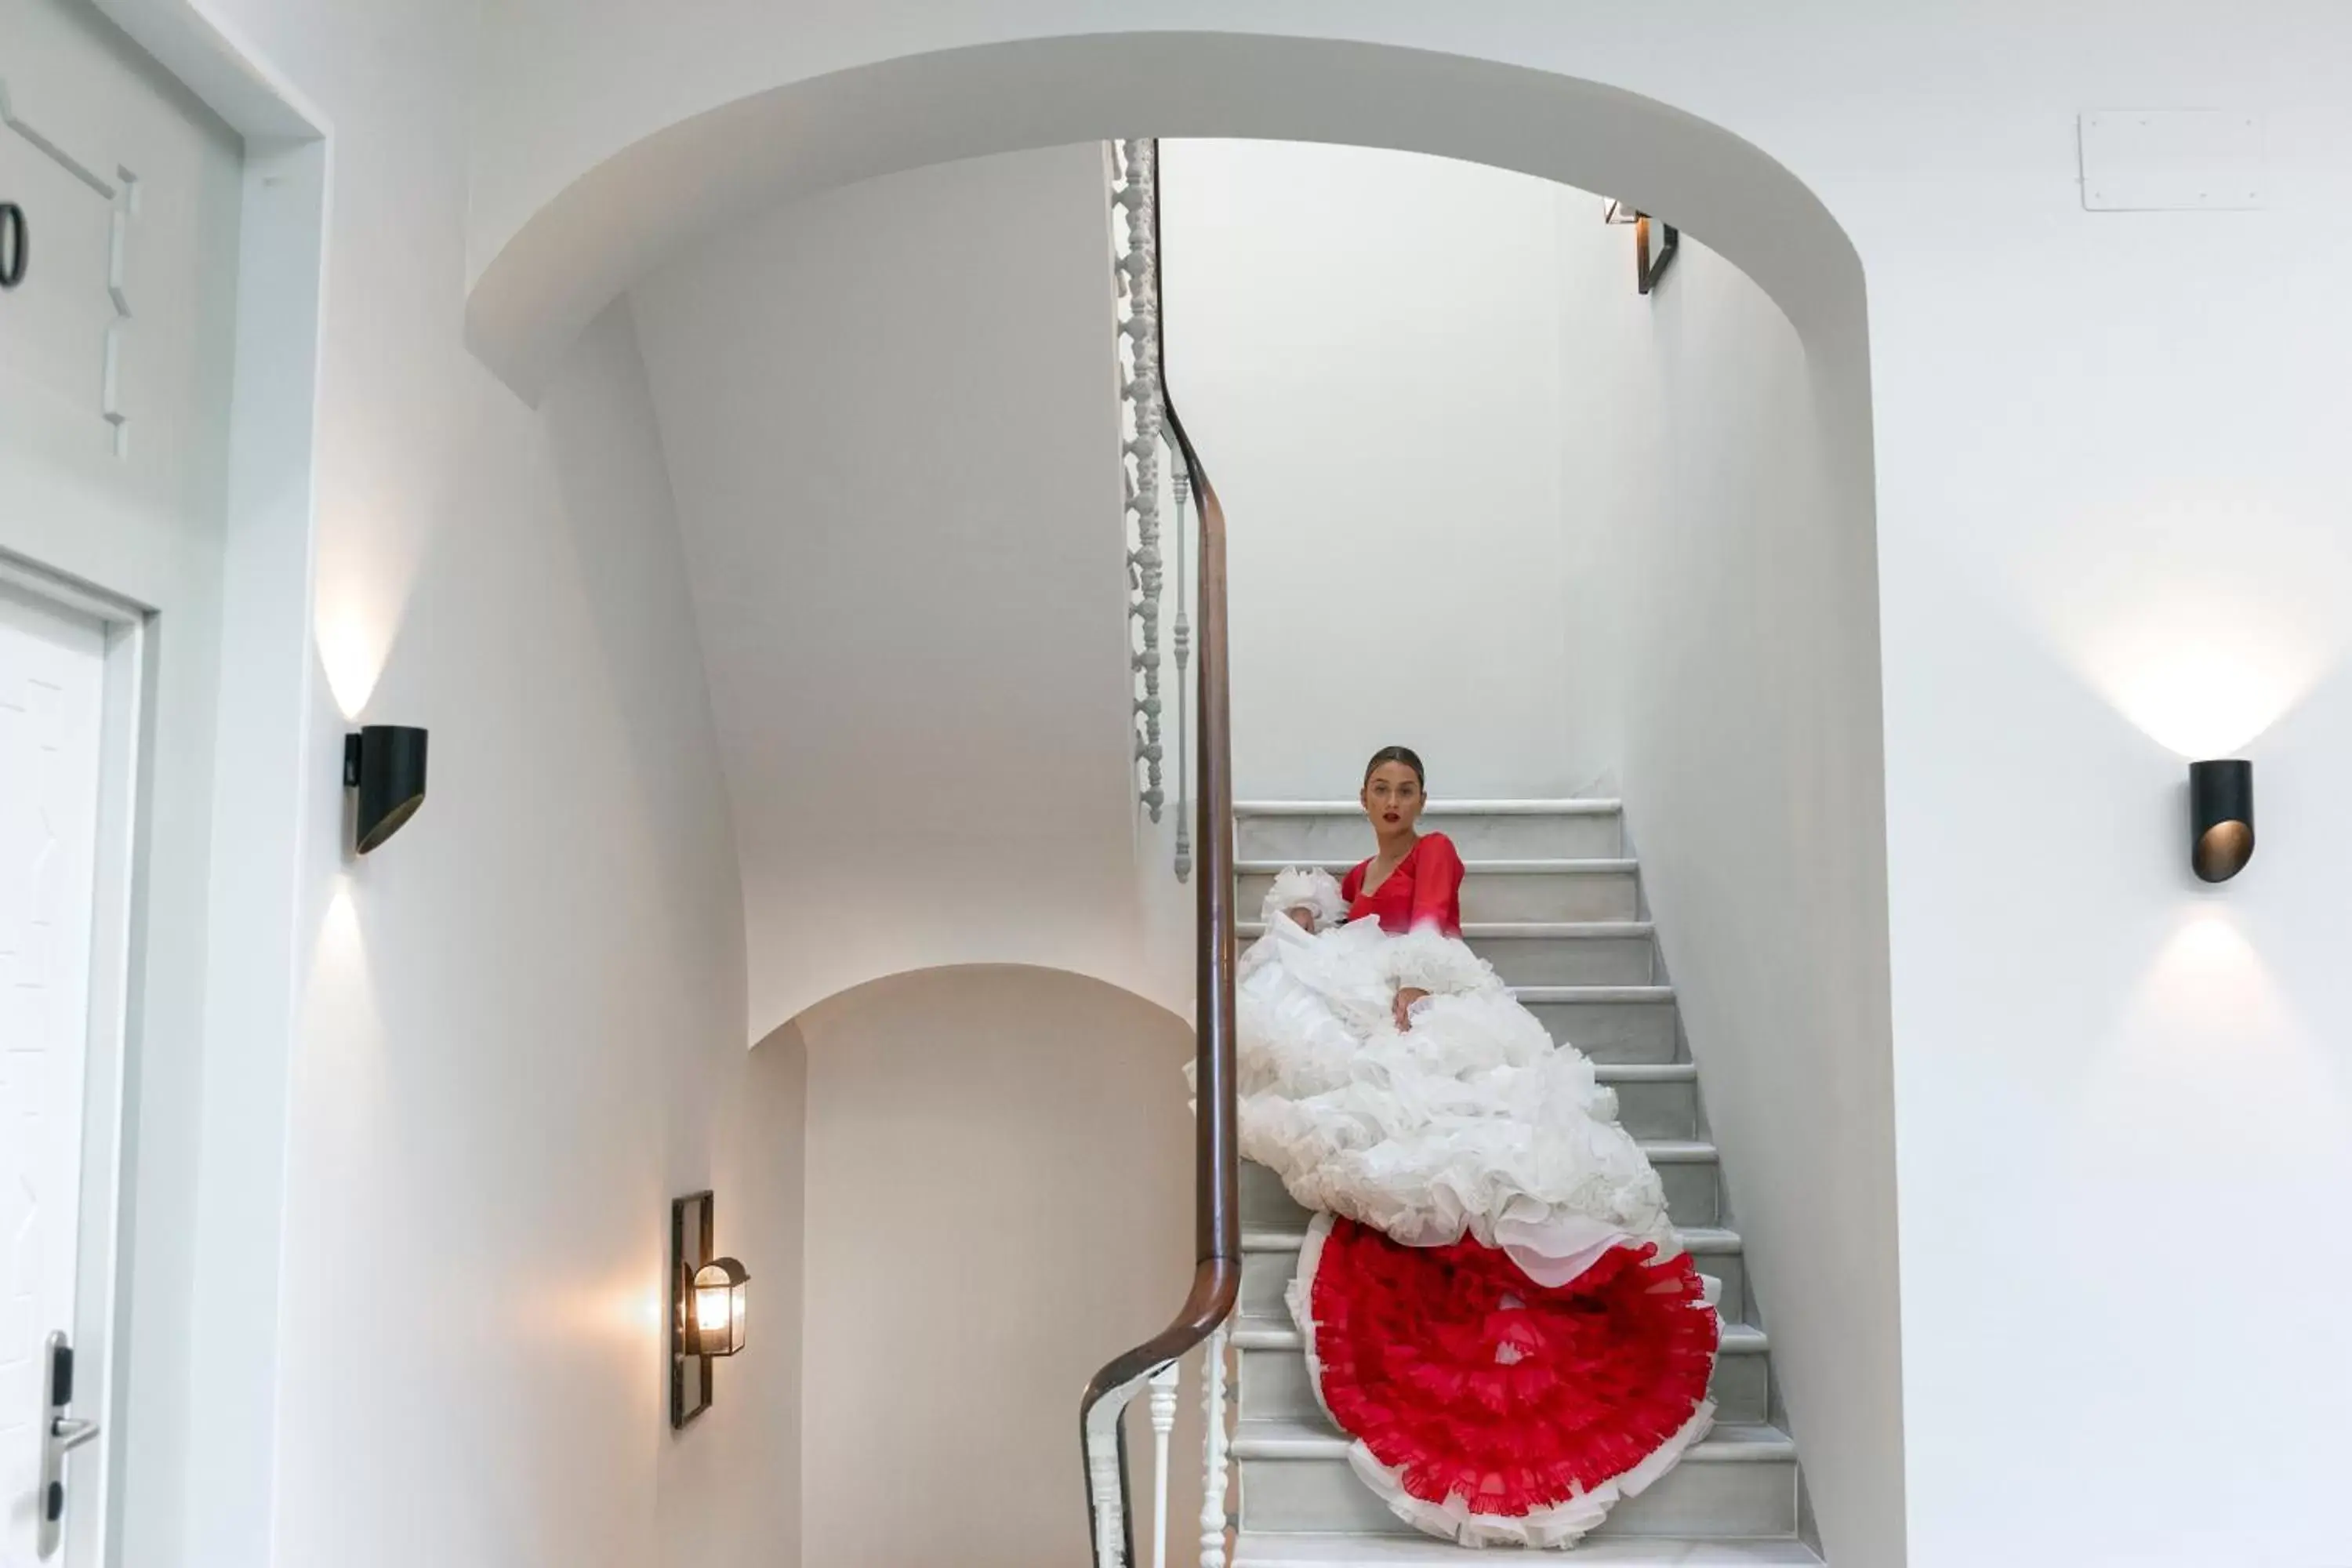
(1437, 885)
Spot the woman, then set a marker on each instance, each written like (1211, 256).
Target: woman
(1494, 1304)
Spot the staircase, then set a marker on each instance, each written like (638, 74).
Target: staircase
(1552, 902)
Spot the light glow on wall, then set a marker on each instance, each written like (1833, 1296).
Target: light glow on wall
(2203, 617)
(365, 572)
(351, 650)
(2208, 1054)
(2208, 696)
(342, 1021)
(342, 953)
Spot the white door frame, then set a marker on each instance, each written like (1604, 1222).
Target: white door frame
(195, 1186)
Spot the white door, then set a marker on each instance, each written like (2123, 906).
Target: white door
(52, 728)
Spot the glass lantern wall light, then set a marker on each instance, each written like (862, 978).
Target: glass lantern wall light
(707, 1299)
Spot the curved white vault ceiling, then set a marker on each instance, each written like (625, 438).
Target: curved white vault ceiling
(621, 218)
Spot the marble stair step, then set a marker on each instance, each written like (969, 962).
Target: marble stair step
(1422, 1551)
(1553, 952)
(1740, 1482)
(1608, 1022)
(1481, 830)
(1604, 889)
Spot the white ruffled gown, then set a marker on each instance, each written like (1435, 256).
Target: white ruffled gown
(1473, 1123)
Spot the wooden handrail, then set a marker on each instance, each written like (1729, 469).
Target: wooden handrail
(1216, 1150)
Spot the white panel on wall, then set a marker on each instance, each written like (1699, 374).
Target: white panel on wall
(2151, 160)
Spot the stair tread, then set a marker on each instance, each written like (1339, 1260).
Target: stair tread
(1280, 1437)
(1612, 867)
(1526, 993)
(1254, 1551)
(1598, 807)
(1509, 930)
(1698, 1241)
(1645, 1072)
(1277, 1334)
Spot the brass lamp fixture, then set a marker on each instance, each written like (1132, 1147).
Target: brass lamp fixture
(716, 1312)
(708, 1298)
(1647, 268)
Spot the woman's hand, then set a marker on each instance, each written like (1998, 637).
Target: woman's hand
(1405, 997)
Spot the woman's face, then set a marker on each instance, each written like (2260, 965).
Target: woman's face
(1392, 799)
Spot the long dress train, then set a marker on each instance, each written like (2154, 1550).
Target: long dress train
(1494, 1304)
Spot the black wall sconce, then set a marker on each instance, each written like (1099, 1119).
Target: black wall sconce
(386, 763)
(707, 1297)
(2220, 818)
(1647, 268)
(15, 244)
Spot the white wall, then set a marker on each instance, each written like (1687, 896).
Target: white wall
(999, 1200)
(891, 422)
(1725, 606)
(522, 1032)
(1361, 345)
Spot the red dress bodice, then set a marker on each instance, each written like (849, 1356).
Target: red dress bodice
(1424, 889)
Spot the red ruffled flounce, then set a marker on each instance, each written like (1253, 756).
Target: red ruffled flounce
(1472, 1382)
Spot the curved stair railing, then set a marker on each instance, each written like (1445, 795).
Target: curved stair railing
(1216, 1274)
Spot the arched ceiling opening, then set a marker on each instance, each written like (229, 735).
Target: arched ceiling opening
(645, 203)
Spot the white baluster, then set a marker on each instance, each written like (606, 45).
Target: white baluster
(1163, 1421)
(1212, 1453)
(1135, 169)
(1111, 1528)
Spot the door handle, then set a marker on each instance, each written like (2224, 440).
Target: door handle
(60, 1434)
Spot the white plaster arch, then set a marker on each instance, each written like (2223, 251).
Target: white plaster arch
(855, 993)
(628, 215)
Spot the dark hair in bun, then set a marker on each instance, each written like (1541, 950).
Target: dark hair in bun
(1396, 754)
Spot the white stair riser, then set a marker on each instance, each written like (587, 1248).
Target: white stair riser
(1568, 960)
(1691, 1196)
(1612, 1031)
(1265, 1276)
(1509, 895)
(1335, 835)
(1658, 1110)
(1274, 1385)
(1693, 1193)
(1694, 1499)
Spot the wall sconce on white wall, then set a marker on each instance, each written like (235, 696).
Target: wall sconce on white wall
(386, 763)
(2220, 818)
(708, 1298)
(717, 1324)
(1647, 268)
